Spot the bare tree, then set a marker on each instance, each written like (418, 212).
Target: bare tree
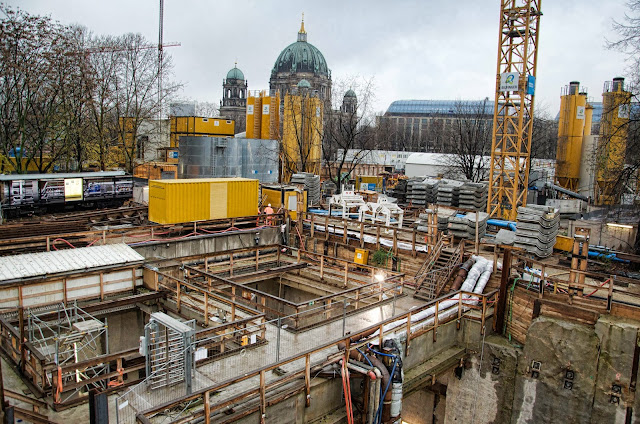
(349, 134)
(544, 137)
(626, 178)
(136, 94)
(33, 70)
(67, 97)
(103, 61)
(469, 139)
(303, 127)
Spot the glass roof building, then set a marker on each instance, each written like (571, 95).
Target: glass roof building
(438, 107)
(423, 125)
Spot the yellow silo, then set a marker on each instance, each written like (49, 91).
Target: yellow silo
(301, 133)
(270, 128)
(612, 145)
(254, 114)
(571, 127)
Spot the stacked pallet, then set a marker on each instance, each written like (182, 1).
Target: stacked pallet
(473, 196)
(536, 229)
(465, 226)
(311, 183)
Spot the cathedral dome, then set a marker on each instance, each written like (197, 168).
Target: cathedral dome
(235, 73)
(350, 93)
(301, 57)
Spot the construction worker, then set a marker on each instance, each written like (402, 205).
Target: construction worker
(269, 211)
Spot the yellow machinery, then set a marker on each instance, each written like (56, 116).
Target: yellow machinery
(284, 196)
(572, 127)
(513, 112)
(199, 126)
(263, 115)
(612, 145)
(301, 134)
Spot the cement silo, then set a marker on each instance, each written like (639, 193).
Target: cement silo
(571, 130)
(612, 144)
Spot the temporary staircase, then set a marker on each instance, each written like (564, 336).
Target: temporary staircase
(437, 269)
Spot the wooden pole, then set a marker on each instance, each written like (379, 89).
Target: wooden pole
(498, 323)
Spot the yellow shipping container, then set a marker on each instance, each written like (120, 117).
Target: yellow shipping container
(198, 126)
(254, 115)
(174, 201)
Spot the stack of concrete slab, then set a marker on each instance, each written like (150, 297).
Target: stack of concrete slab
(465, 226)
(424, 220)
(399, 192)
(422, 191)
(311, 183)
(473, 196)
(449, 192)
(416, 192)
(536, 229)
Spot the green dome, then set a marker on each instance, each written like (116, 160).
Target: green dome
(235, 73)
(350, 93)
(301, 57)
(304, 84)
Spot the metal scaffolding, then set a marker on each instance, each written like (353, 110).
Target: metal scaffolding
(72, 336)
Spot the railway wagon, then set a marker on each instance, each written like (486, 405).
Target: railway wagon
(32, 193)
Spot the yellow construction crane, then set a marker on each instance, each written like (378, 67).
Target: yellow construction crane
(513, 112)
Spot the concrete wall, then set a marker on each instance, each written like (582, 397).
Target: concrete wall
(599, 356)
(207, 244)
(125, 329)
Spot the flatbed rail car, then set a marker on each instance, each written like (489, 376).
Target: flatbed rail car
(23, 194)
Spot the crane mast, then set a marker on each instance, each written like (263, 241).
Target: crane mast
(513, 110)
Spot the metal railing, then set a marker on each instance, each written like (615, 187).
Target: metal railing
(251, 387)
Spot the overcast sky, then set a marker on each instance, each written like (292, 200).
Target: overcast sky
(413, 49)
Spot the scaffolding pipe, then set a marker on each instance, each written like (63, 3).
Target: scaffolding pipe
(446, 308)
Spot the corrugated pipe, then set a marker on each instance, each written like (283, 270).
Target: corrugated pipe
(448, 307)
(462, 274)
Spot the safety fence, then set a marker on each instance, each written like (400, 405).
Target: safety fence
(138, 234)
(245, 384)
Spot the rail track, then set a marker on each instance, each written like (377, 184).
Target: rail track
(72, 222)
